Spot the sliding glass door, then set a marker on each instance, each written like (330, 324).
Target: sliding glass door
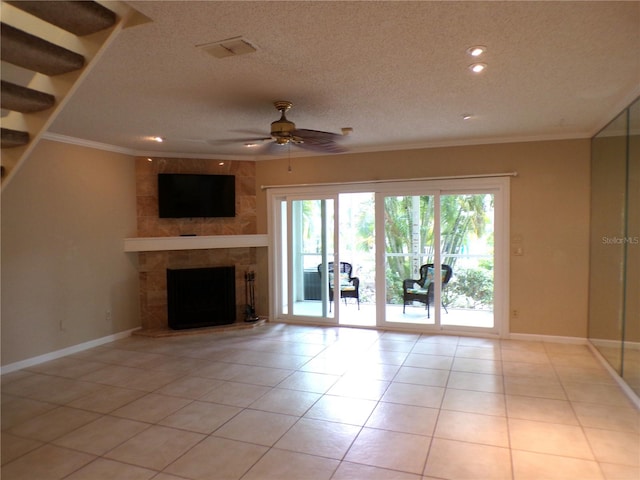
(447, 236)
(412, 255)
(467, 239)
(307, 235)
(409, 235)
(326, 258)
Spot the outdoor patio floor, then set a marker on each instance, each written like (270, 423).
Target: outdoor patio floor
(417, 314)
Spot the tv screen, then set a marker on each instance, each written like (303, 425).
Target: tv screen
(182, 195)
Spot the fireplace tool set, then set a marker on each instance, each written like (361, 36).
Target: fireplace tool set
(250, 309)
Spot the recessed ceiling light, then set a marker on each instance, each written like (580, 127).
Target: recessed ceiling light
(158, 139)
(467, 116)
(476, 51)
(477, 67)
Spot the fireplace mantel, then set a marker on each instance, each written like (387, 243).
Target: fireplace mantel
(156, 244)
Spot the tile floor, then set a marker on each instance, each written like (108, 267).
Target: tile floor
(292, 402)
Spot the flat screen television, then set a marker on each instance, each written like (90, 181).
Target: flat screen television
(184, 195)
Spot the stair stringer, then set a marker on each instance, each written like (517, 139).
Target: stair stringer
(63, 86)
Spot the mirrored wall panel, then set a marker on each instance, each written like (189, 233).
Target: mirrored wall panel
(614, 283)
(631, 346)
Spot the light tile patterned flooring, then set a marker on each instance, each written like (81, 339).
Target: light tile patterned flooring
(289, 402)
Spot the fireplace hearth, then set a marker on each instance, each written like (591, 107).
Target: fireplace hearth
(201, 297)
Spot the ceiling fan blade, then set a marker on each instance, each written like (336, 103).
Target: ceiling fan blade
(254, 133)
(268, 148)
(305, 133)
(259, 149)
(239, 140)
(319, 141)
(324, 147)
(275, 148)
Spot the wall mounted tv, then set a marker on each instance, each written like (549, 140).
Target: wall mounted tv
(183, 195)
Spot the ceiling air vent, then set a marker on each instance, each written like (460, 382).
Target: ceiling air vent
(230, 47)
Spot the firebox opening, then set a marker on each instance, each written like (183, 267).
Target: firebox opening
(201, 297)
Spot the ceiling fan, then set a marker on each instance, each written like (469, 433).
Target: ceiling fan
(284, 132)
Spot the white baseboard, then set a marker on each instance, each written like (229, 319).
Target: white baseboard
(547, 338)
(603, 343)
(29, 362)
(631, 394)
(615, 344)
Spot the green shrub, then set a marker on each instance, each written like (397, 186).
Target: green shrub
(470, 288)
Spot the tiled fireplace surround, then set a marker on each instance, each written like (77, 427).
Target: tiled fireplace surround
(153, 265)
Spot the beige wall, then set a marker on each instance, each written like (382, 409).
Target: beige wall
(64, 217)
(549, 211)
(66, 212)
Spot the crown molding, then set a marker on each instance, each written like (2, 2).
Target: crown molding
(56, 137)
(304, 154)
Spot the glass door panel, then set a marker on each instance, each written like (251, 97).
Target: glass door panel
(311, 248)
(467, 246)
(356, 237)
(409, 243)
(284, 257)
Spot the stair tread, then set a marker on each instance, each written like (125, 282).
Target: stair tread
(13, 138)
(30, 52)
(79, 18)
(22, 99)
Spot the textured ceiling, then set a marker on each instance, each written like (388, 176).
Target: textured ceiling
(395, 72)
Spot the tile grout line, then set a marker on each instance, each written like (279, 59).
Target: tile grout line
(378, 402)
(435, 423)
(506, 408)
(571, 403)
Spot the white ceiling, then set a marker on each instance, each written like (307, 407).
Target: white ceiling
(396, 72)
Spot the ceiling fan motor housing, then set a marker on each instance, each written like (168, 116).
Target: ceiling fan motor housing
(282, 128)
(285, 133)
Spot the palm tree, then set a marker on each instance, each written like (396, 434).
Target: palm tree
(410, 233)
(461, 215)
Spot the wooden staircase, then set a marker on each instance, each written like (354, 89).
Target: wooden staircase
(47, 48)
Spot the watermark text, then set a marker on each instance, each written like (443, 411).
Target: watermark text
(620, 240)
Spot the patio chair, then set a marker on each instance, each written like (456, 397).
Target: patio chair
(421, 290)
(349, 286)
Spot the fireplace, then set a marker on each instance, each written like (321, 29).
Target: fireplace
(201, 297)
